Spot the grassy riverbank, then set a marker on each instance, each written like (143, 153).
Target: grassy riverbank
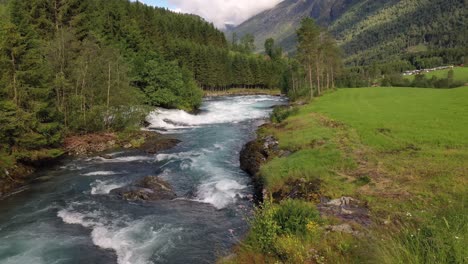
(402, 153)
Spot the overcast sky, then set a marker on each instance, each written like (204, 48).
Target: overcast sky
(217, 11)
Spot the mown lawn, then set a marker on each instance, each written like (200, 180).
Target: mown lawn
(460, 74)
(404, 151)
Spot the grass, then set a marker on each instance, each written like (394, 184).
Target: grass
(460, 74)
(404, 151)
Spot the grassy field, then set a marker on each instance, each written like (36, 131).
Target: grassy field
(459, 74)
(403, 151)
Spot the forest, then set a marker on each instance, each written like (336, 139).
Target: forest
(387, 37)
(81, 66)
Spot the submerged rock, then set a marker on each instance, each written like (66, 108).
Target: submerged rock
(151, 188)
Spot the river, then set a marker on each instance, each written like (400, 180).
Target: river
(73, 218)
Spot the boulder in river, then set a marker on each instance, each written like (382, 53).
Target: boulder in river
(157, 144)
(253, 155)
(151, 188)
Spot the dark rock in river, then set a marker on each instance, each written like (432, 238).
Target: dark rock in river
(145, 123)
(150, 188)
(157, 144)
(253, 155)
(175, 123)
(106, 156)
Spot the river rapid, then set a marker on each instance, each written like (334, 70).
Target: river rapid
(73, 218)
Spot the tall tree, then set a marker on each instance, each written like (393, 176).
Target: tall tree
(308, 50)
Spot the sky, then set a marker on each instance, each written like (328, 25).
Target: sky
(219, 12)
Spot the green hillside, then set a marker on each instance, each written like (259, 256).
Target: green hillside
(460, 74)
(282, 21)
(415, 33)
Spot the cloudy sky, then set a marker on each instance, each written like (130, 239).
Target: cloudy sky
(217, 11)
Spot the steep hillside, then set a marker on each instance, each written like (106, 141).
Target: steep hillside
(372, 30)
(281, 21)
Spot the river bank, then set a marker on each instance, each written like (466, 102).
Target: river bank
(243, 91)
(22, 172)
(340, 186)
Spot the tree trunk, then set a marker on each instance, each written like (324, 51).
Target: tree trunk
(311, 82)
(108, 96)
(318, 77)
(293, 84)
(333, 78)
(56, 16)
(15, 89)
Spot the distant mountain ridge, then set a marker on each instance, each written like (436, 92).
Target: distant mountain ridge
(373, 29)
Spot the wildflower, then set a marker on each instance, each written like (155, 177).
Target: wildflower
(312, 226)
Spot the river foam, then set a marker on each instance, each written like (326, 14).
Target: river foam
(235, 110)
(121, 159)
(105, 187)
(134, 241)
(101, 173)
(220, 193)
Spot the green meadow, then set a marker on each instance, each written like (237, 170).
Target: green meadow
(460, 74)
(404, 151)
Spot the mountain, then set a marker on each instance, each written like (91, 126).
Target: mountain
(370, 30)
(282, 21)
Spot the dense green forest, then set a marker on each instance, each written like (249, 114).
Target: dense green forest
(420, 33)
(80, 66)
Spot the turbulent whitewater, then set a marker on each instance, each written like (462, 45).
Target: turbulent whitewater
(75, 218)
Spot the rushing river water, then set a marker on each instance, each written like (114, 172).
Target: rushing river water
(73, 219)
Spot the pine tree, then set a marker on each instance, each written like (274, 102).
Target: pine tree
(308, 50)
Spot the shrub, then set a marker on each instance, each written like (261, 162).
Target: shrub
(281, 113)
(264, 229)
(290, 249)
(293, 216)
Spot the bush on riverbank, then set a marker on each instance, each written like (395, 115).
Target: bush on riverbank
(282, 231)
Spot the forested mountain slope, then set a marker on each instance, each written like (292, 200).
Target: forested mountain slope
(422, 32)
(80, 66)
(282, 21)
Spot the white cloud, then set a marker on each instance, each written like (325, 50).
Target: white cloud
(223, 11)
